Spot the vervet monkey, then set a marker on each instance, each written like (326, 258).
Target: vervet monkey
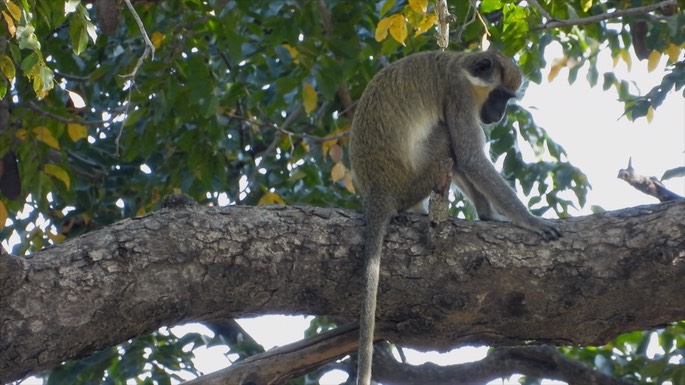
(415, 113)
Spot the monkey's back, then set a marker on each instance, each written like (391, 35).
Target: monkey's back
(393, 143)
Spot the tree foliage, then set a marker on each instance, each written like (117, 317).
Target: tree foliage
(249, 102)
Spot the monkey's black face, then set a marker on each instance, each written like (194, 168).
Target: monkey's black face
(494, 107)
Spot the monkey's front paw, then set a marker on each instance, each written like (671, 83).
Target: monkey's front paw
(547, 229)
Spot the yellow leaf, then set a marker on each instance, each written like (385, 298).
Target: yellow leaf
(382, 28)
(7, 67)
(653, 60)
(586, 5)
(58, 172)
(325, 146)
(336, 153)
(347, 181)
(10, 23)
(615, 60)
(398, 28)
(3, 215)
(44, 135)
(419, 6)
(56, 238)
(305, 146)
(425, 24)
(626, 58)
(77, 131)
(650, 114)
(309, 98)
(673, 52)
(270, 198)
(14, 9)
(21, 134)
(338, 172)
(157, 39)
(140, 212)
(557, 65)
(294, 53)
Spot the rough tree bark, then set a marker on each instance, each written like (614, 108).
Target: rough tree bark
(470, 282)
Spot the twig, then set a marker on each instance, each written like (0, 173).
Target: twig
(542, 11)
(468, 20)
(149, 51)
(75, 78)
(286, 123)
(149, 47)
(34, 107)
(480, 17)
(606, 16)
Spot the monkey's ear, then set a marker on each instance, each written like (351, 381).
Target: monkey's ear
(482, 67)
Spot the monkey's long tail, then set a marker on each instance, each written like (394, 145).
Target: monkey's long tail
(376, 226)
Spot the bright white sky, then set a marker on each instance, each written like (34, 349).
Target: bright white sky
(587, 122)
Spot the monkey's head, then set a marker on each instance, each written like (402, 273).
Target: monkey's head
(499, 76)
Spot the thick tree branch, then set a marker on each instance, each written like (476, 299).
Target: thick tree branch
(532, 361)
(472, 282)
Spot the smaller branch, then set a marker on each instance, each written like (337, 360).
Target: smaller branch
(149, 51)
(606, 16)
(532, 361)
(326, 17)
(149, 47)
(648, 185)
(444, 20)
(235, 334)
(284, 363)
(75, 78)
(542, 11)
(32, 106)
(286, 123)
(480, 17)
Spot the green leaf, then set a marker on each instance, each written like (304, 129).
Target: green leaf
(674, 173)
(47, 78)
(487, 6)
(29, 62)
(78, 34)
(387, 6)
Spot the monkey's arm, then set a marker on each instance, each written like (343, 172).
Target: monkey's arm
(472, 163)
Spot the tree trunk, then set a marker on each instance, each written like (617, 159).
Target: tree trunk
(463, 282)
